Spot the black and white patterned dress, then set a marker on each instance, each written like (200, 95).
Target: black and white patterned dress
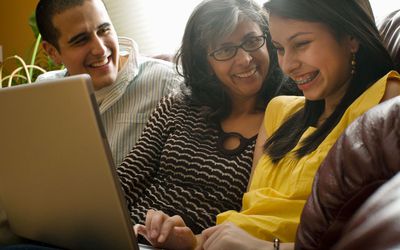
(178, 168)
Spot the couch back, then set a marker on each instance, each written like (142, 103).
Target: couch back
(389, 27)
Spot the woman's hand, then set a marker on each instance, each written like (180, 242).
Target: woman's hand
(167, 232)
(228, 236)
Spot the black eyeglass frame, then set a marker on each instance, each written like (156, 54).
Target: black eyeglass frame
(212, 54)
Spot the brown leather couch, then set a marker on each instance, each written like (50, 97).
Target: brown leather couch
(389, 28)
(365, 157)
(376, 225)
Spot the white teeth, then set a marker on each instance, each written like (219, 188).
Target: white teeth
(306, 79)
(247, 74)
(100, 63)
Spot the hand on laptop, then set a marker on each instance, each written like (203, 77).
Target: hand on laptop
(168, 232)
(229, 236)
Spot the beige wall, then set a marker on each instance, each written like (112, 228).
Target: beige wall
(16, 36)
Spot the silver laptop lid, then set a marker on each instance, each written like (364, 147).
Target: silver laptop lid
(57, 181)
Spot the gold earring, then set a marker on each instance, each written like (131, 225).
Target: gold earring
(353, 63)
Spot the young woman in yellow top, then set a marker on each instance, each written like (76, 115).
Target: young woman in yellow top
(332, 51)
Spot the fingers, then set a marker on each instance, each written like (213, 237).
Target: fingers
(139, 229)
(212, 235)
(154, 222)
(209, 231)
(168, 225)
(158, 226)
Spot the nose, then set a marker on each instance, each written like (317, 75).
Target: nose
(243, 57)
(288, 63)
(98, 46)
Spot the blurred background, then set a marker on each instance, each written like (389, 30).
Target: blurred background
(156, 25)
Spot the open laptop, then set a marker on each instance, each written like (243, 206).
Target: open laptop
(58, 184)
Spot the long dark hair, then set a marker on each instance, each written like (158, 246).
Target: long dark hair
(343, 17)
(211, 20)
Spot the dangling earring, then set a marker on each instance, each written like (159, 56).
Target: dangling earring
(353, 63)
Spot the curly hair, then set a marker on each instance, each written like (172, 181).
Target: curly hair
(213, 19)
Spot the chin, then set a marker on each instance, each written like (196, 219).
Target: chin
(101, 84)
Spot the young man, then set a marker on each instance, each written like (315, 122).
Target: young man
(79, 34)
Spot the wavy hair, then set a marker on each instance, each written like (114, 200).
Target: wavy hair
(211, 20)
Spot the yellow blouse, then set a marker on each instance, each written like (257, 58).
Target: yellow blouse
(273, 205)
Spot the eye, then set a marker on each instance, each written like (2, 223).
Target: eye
(253, 42)
(301, 44)
(224, 52)
(80, 40)
(104, 30)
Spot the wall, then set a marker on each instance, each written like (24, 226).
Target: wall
(156, 25)
(16, 36)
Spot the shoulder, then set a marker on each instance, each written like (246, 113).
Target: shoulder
(149, 63)
(285, 104)
(160, 72)
(279, 109)
(392, 86)
(173, 103)
(55, 74)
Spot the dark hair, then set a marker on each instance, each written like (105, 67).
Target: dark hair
(45, 11)
(211, 20)
(343, 17)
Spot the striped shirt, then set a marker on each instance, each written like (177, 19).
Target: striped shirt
(177, 167)
(126, 105)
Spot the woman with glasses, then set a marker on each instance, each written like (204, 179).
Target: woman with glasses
(333, 52)
(194, 157)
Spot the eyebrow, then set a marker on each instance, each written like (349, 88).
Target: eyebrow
(246, 36)
(83, 34)
(293, 36)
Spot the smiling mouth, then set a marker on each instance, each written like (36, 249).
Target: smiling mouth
(306, 78)
(247, 74)
(100, 63)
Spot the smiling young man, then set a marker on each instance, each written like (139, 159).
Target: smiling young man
(79, 34)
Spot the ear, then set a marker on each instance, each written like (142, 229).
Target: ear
(354, 44)
(52, 51)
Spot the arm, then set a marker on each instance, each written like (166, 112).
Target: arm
(137, 169)
(392, 89)
(228, 236)
(258, 149)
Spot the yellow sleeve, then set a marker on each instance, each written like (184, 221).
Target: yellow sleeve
(272, 215)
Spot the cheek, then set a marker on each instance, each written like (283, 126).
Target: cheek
(220, 69)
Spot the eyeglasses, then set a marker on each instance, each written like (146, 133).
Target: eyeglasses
(251, 44)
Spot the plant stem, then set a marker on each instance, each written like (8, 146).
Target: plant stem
(34, 53)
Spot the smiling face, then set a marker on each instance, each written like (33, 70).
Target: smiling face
(313, 57)
(87, 43)
(244, 74)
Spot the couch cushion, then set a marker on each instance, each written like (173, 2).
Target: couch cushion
(376, 226)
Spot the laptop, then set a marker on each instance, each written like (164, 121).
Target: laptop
(58, 184)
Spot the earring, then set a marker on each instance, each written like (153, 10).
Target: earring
(353, 63)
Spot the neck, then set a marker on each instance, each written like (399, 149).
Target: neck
(243, 106)
(243, 119)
